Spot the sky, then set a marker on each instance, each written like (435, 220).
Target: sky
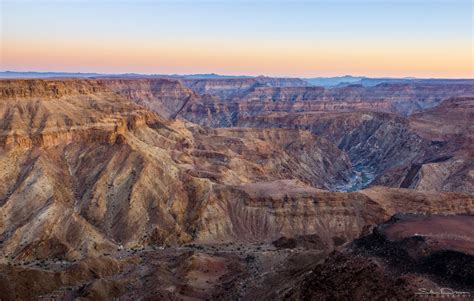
(396, 38)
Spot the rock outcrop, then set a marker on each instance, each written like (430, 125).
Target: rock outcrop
(394, 150)
(99, 193)
(407, 257)
(82, 173)
(165, 96)
(398, 98)
(227, 88)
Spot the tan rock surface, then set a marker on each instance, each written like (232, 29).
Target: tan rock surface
(93, 185)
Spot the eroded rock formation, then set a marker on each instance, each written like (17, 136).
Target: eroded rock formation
(100, 192)
(407, 257)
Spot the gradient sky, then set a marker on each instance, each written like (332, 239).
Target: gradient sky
(422, 38)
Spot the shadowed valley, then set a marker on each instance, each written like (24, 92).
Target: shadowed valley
(222, 188)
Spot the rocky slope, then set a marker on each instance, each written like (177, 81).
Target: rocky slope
(449, 165)
(121, 162)
(405, 258)
(227, 88)
(106, 163)
(430, 150)
(386, 147)
(165, 96)
(401, 259)
(400, 98)
(94, 186)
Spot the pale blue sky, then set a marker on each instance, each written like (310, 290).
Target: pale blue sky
(241, 19)
(248, 22)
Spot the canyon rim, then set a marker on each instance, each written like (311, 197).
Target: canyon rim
(155, 162)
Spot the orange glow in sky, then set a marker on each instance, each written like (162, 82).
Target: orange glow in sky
(77, 44)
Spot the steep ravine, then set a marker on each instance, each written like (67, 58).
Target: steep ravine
(374, 142)
(391, 132)
(361, 177)
(102, 199)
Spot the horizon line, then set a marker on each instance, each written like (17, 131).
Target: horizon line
(229, 75)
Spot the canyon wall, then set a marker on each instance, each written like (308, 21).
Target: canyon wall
(370, 124)
(400, 98)
(85, 170)
(102, 196)
(237, 87)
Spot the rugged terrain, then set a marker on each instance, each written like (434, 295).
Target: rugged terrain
(108, 190)
(394, 133)
(237, 87)
(410, 256)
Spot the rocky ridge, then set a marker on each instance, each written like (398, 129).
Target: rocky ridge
(99, 192)
(225, 88)
(406, 257)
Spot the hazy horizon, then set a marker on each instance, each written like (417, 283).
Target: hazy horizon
(224, 75)
(424, 39)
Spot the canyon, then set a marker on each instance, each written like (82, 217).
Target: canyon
(234, 188)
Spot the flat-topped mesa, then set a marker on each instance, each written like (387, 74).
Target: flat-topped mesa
(164, 96)
(108, 130)
(220, 87)
(226, 88)
(254, 100)
(282, 81)
(284, 93)
(44, 89)
(50, 112)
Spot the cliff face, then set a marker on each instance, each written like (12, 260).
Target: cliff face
(94, 185)
(386, 147)
(227, 89)
(123, 175)
(402, 99)
(47, 113)
(47, 89)
(407, 257)
(450, 126)
(164, 96)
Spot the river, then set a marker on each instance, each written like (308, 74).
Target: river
(361, 177)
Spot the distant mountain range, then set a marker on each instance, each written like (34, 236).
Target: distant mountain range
(34, 74)
(334, 81)
(347, 80)
(338, 81)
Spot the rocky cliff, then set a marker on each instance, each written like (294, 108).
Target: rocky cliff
(229, 88)
(106, 163)
(99, 193)
(165, 96)
(254, 99)
(386, 147)
(407, 257)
